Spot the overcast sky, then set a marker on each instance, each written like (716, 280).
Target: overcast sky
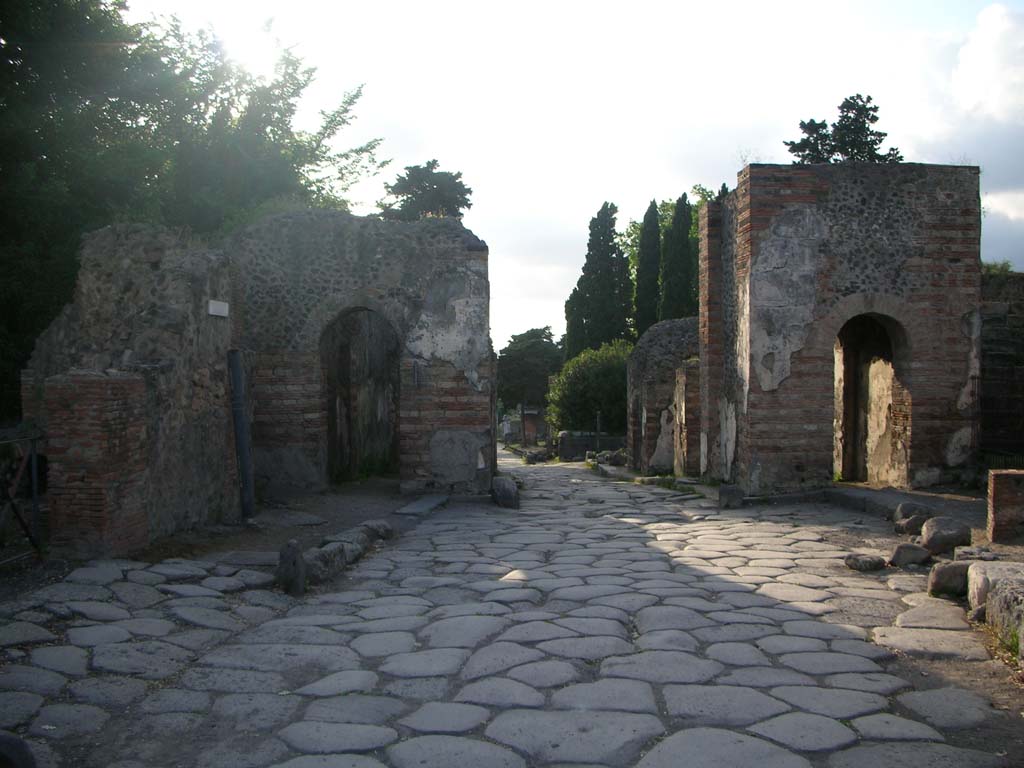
(550, 108)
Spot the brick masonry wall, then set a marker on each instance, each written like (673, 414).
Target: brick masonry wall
(814, 247)
(1005, 504)
(1002, 363)
(98, 452)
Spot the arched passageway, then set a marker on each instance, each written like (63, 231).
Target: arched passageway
(359, 357)
(872, 404)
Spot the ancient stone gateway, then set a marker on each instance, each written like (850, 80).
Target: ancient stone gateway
(365, 344)
(839, 326)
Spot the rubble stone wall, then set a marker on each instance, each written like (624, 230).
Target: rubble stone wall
(297, 273)
(1002, 363)
(130, 385)
(651, 385)
(793, 254)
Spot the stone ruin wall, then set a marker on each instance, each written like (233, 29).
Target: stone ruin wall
(786, 260)
(298, 273)
(130, 383)
(653, 411)
(1002, 364)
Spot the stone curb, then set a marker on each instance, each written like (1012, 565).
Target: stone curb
(296, 570)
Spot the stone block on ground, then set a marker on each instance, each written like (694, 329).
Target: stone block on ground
(909, 554)
(974, 553)
(911, 526)
(505, 492)
(730, 497)
(1004, 611)
(910, 509)
(1005, 504)
(944, 534)
(949, 579)
(981, 577)
(291, 569)
(860, 562)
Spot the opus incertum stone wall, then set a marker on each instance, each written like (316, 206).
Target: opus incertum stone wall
(349, 327)
(839, 325)
(652, 409)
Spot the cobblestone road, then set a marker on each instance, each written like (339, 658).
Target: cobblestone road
(603, 624)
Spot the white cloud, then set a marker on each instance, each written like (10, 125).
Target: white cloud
(989, 77)
(1007, 204)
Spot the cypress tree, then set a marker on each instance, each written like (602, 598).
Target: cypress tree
(599, 308)
(678, 267)
(647, 268)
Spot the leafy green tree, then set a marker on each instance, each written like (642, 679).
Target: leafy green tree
(101, 120)
(647, 266)
(629, 238)
(424, 191)
(600, 306)
(593, 381)
(850, 139)
(524, 367)
(679, 294)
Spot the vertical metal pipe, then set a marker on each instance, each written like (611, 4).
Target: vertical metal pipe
(36, 522)
(243, 438)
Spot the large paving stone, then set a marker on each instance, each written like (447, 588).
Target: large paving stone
(462, 631)
(64, 592)
(587, 648)
(68, 721)
(147, 627)
(149, 659)
(949, 708)
(934, 614)
(496, 657)
(872, 682)
(438, 661)
(661, 667)
(331, 761)
(831, 702)
(670, 617)
(720, 704)
(232, 680)
(383, 643)
(764, 677)
(207, 618)
(543, 674)
(291, 635)
(340, 683)
(805, 732)
(828, 663)
(323, 738)
(24, 633)
(66, 659)
(99, 634)
(176, 700)
(98, 611)
(914, 755)
(17, 707)
(137, 595)
(932, 643)
(18, 677)
(884, 726)
(101, 574)
(449, 751)
(257, 712)
(500, 692)
(310, 659)
(609, 694)
(445, 717)
(356, 708)
(578, 737)
(715, 748)
(536, 631)
(108, 691)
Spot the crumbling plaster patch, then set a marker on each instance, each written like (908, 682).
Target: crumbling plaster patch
(782, 296)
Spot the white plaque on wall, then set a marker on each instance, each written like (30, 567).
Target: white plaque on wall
(218, 308)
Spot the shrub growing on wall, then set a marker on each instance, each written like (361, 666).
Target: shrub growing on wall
(593, 381)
